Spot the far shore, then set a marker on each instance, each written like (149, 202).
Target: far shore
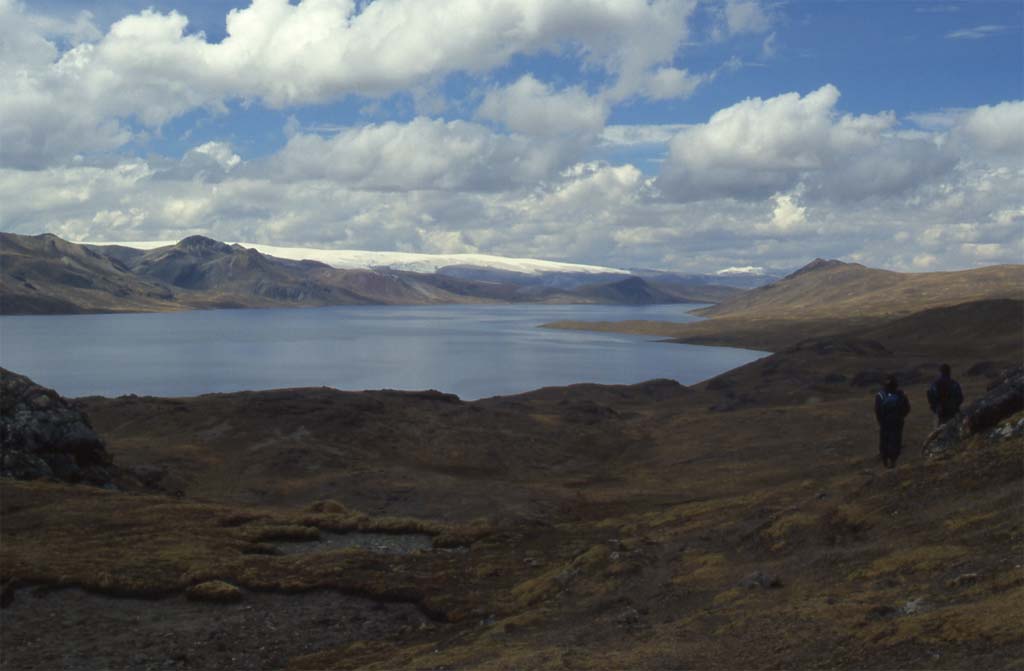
(769, 335)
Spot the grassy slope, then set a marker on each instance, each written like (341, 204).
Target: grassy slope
(630, 557)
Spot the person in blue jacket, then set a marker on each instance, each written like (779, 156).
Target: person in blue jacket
(891, 407)
(945, 396)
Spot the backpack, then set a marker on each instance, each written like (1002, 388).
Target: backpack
(891, 405)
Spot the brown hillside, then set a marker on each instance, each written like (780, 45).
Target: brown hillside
(832, 289)
(45, 275)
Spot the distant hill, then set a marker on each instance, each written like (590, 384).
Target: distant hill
(46, 275)
(630, 291)
(825, 289)
(735, 278)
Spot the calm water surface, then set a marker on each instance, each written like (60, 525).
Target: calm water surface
(474, 351)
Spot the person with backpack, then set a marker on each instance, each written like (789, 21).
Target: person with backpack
(891, 408)
(945, 396)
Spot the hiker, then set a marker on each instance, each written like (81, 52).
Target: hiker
(891, 407)
(945, 396)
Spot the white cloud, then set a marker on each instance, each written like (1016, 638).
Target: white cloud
(422, 154)
(759, 147)
(996, 128)
(668, 83)
(148, 68)
(590, 212)
(744, 185)
(219, 152)
(976, 32)
(532, 107)
(787, 215)
(746, 16)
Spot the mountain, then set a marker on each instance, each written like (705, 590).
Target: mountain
(829, 288)
(736, 278)
(537, 274)
(46, 275)
(630, 291)
(354, 259)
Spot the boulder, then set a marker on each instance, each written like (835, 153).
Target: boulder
(757, 579)
(42, 435)
(1005, 397)
(215, 591)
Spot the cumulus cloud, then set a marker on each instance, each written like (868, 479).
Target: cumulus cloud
(532, 107)
(422, 154)
(586, 212)
(759, 147)
(787, 216)
(996, 128)
(150, 69)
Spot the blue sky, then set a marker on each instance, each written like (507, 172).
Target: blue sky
(677, 134)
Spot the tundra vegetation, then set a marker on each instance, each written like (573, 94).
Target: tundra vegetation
(744, 522)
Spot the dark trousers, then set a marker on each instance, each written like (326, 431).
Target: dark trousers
(890, 440)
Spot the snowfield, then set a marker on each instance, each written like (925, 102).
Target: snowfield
(414, 262)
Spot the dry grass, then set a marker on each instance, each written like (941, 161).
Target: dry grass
(589, 557)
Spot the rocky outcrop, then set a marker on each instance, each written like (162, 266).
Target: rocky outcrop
(44, 436)
(989, 414)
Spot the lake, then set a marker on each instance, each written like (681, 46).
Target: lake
(474, 351)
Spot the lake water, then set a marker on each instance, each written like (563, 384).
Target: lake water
(474, 351)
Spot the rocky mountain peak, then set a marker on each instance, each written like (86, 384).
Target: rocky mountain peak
(818, 264)
(202, 245)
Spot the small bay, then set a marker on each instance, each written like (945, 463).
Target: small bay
(474, 351)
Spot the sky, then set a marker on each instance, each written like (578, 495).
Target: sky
(687, 135)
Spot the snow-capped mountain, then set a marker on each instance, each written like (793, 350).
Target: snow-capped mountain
(408, 261)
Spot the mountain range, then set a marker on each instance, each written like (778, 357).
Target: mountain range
(44, 274)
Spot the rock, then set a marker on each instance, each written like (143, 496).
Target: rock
(216, 591)
(628, 617)
(963, 580)
(758, 579)
(42, 435)
(1005, 397)
(912, 606)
